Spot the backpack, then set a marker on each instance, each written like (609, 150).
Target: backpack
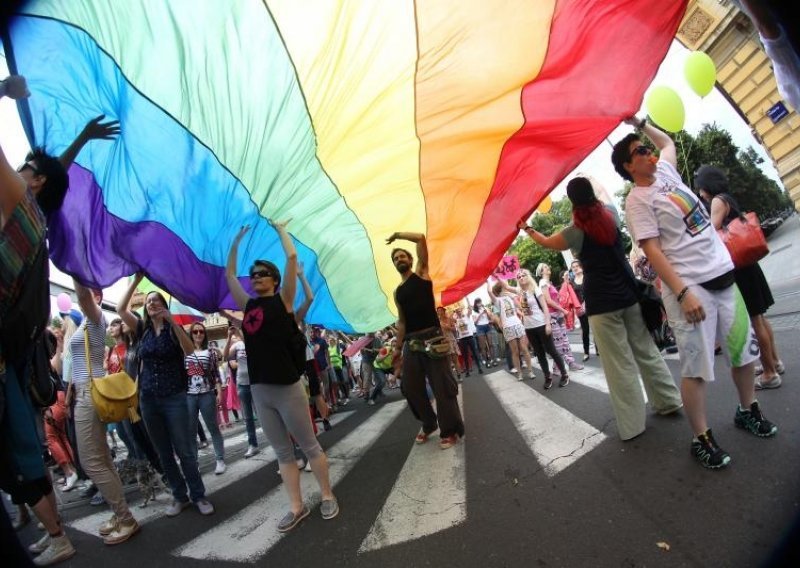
(297, 345)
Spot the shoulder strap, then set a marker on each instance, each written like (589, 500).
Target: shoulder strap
(86, 350)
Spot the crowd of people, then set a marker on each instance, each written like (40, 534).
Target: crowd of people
(284, 374)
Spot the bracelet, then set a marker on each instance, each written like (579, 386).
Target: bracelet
(682, 294)
(642, 123)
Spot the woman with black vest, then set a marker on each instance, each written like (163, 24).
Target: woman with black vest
(613, 310)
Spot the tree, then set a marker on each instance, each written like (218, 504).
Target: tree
(529, 253)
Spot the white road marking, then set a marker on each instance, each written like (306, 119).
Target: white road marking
(430, 495)
(254, 530)
(236, 471)
(556, 437)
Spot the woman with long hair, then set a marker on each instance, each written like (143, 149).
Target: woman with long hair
(203, 390)
(163, 345)
(712, 183)
(271, 339)
(536, 319)
(511, 323)
(87, 346)
(483, 325)
(613, 309)
(557, 316)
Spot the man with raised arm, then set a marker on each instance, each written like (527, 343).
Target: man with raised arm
(422, 350)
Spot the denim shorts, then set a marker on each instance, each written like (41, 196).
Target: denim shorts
(484, 329)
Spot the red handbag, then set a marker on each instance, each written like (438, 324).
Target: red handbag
(745, 240)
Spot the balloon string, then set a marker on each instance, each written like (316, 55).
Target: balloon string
(685, 159)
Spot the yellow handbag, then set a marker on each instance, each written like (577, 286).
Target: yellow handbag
(115, 397)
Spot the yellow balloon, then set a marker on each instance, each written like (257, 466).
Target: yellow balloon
(545, 205)
(665, 107)
(700, 72)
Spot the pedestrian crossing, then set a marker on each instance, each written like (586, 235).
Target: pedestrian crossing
(429, 493)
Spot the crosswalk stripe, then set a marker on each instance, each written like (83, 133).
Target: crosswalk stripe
(236, 471)
(430, 495)
(556, 437)
(254, 530)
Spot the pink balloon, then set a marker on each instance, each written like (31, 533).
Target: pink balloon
(64, 302)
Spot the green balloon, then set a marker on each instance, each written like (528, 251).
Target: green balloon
(665, 107)
(700, 72)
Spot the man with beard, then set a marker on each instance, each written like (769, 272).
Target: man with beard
(421, 348)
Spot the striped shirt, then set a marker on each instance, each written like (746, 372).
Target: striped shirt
(97, 350)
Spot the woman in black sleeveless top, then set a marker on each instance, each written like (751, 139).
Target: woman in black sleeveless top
(712, 183)
(279, 398)
(613, 310)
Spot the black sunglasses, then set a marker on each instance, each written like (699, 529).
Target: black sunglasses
(261, 274)
(198, 332)
(641, 151)
(28, 166)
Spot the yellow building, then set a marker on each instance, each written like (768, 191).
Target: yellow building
(745, 77)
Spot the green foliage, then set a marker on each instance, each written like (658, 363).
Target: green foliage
(529, 253)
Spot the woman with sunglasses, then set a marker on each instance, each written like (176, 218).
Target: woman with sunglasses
(163, 404)
(202, 369)
(278, 394)
(613, 309)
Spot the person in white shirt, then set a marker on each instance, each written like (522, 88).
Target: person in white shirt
(511, 323)
(465, 328)
(702, 301)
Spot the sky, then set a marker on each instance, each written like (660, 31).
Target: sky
(712, 108)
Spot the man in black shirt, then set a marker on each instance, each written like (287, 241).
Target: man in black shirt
(422, 349)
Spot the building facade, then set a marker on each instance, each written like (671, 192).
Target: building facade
(745, 77)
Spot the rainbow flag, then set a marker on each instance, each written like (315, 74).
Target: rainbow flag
(355, 119)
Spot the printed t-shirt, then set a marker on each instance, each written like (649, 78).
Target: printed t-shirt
(202, 370)
(670, 211)
(465, 327)
(532, 315)
(508, 311)
(242, 376)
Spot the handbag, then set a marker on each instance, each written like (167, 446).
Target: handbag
(115, 397)
(742, 235)
(744, 240)
(648, 296)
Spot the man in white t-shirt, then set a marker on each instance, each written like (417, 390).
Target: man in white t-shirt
(704, 306)
(467, 342)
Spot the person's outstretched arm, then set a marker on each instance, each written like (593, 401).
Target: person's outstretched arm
(124, 306)
(308, 293)
(662, 140)
(422, 250)
(289, 287)
(239, 295)
(94, 130)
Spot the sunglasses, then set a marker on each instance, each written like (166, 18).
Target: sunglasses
(261, 274)
(198, 332)
(641, 151)
(28, 166)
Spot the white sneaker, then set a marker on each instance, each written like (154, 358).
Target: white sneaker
(221, 467)
(69, 485)
(40, 545)
(251, 451)
(513, 370)
(176, 507)
(308, 467)
(60, 548)
(204, 506)
(371, 402)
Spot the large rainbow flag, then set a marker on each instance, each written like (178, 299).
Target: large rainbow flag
(355, 119)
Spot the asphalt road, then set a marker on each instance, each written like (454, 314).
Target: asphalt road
(541, 479)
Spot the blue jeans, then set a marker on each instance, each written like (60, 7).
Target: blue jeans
(206, 404)
(167, 421)
(246, 401)
(380, 380)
